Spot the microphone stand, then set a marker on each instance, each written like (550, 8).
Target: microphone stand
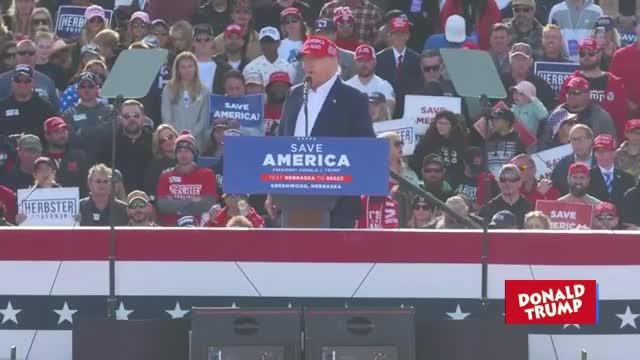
(305, 102)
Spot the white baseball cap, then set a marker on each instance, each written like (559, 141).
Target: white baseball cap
(455, 29)
(270, 32)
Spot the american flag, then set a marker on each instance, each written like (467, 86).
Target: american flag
(49, 279)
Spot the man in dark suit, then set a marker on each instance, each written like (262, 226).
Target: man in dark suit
(334, 109)
(608, 183)
(399, 65)
(581, 140)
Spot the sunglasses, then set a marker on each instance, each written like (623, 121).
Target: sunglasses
(22, 81)
(89, 86)
(137, 204)
(509, 179)
(432, 170)
(291, 20)
(39, 21)
(26, 53)
(203, 40)
(432, 68)
(131, 116)
(421, 207)
(138, 25)
(165, 139)
(588, 53)
(96, 19)
(521, 9)
(398, 144)
(575, 92)
(523, 167)
(605, 217)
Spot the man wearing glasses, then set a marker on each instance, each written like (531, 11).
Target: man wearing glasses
(42, 84)
(432, 69)
(581, 140)
(510, 199)
(589, 112)
(95, 208)
(524, 26)
(604, 88)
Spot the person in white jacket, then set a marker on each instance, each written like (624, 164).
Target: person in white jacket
(185, 100)
(576, 18)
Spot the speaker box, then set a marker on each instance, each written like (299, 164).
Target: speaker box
(102, 339)
(246, 333)
(359, 334)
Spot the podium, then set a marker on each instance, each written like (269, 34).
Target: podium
(306, 177)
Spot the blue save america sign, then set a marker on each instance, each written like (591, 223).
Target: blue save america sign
(247, 110)
(306, 166)
(554, 73)
(70, 21)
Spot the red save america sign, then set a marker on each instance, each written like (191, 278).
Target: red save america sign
(551, 302)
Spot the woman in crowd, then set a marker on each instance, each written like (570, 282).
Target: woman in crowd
(181, 36)
(608, 39)
(421, 214)
(536, 220)
(446, 221)
(445, 137)
(234, 83)
(17, 18)
(160, 29)
(95, 209)
(70, 96)
(95, 21)
(242, 15)
(294, 34)
(8, 56)
(164, 157)
(108, 42)
(40, 21)
(185, 100)
(139, 25)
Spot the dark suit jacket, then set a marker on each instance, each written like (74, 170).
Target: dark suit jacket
(622, 181)
(410, 81)
(345, 113)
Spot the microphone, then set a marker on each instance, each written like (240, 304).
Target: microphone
(306, 87)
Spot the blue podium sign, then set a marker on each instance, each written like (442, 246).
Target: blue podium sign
(306, 166)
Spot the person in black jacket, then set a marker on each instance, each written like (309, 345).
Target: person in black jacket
(629, 214)
(608, 183)
(581, 140)
(509, 198)
(164, 157)
(504, 143)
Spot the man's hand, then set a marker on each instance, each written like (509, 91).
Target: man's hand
(544, 186)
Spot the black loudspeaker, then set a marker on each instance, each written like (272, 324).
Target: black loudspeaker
(472, 340)
(359, 334)
(130, 340)
(246, 333)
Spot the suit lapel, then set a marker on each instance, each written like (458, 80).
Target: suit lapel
(326, 116)
(296, 105)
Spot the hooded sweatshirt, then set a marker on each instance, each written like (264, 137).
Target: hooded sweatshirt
(576, 23)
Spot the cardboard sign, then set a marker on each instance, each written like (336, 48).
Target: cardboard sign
(49, 207)
(70, 21)
(421, 110)
(566, 215)
(546, 160)
(306, 166)
(405, 128)
(554, 73)
(248, 110)
(526, 136)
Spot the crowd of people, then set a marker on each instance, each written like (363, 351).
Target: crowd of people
(56, 129)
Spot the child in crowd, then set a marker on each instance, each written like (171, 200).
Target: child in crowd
(527, 107)
(504, 143)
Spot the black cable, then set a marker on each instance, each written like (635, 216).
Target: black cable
(363, 280)
(553, 343)
(247, 277)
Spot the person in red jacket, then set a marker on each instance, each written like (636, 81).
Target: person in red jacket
(8, 205)
(533, 190)
(379, 212)
(479, 15)
(605, 88)
(236, 205)
(186, 189)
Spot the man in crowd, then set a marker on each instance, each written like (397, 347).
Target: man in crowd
(186, 189)
(552, 45)
(233, 45)
(500, 44)
(95, 210)
(605, 217)
(433, 177)
(133, 145)
(524, 26)
(42, 84)
(269, 61)
(72, 164)
(608, 183)
(605, 89)
(532, 189)
(89, 120)
(327, 28)
(521, 57)
(576, 19)
(211, 69)
(581, 140)
(24, 111)
(628, 154)
(277, 89)
(253, 83)
(624, 64)
(366, 80)
(578, 179)
(433, 68)
(510, 183)
(21, 177)
(139, 209)
(629, 213)
(589, 112)
(367, 16)
(399, 65)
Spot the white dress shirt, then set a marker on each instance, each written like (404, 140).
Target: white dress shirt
(314, 105)
(606, 171)
(397, 54)
(376, 84)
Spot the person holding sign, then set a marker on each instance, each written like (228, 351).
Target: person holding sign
(552, 47)
(334, 110)
(578, 179)
(608, 183)
(532, 189)
(44, 175)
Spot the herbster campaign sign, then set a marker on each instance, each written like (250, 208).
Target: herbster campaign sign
(70, 21)
(48, 207)
(305, 166)
(248, 110)
(554, 73)
(405, 128)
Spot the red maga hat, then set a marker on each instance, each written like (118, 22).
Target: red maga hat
(365, 52)
(319, 46)
(605, 208)
(279, 76)
(290, 11)
(589, 44)
(399, 24)
(578, 168)
(233, 29)
(604, 141)
(54, 123)
(631, 125)
(579, 83)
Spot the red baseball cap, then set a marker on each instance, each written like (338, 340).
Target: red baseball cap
(604, 141)
(605, 208)
(579, 83)
(578, 168)
(233, 29)
(399, 24)
(279, 76)
(631, 125)
(290, 11)
(365, 52)
(53, 124)
(589, 44)
(319, 46)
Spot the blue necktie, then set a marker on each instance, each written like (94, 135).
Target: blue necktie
(608, 181)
